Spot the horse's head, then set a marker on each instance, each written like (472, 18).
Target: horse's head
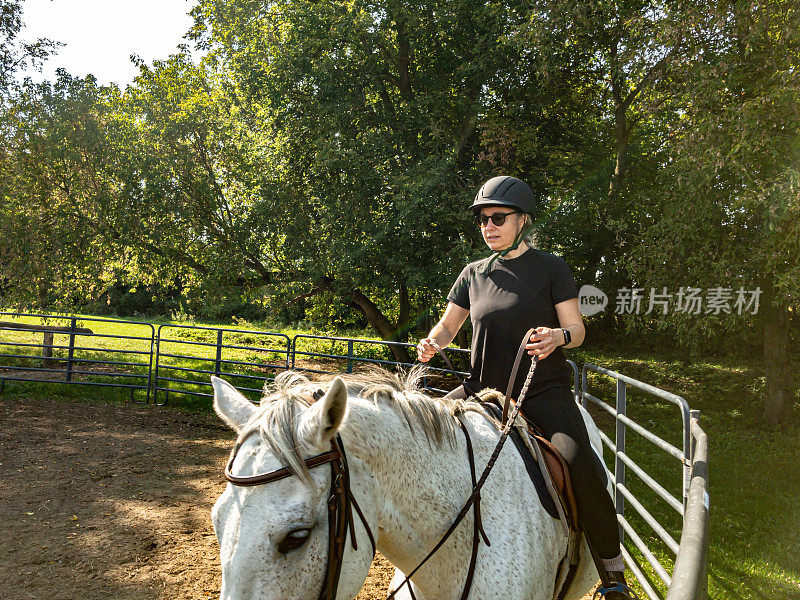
(274, 537)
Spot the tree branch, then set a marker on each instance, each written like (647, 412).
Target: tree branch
(649, 76)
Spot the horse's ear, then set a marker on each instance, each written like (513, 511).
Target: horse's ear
(230, 405)
(321, 421)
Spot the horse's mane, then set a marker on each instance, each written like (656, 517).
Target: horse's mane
(291, 392)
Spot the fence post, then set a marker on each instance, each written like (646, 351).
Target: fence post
(349, 356)
(157, 360)
(47, 350)
(619, 466)
(71, 354)
(576, 382)
(584, 387)
(153, 359)
(218, 359)
(688, 455)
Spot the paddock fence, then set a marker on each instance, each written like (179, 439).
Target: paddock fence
(650, 562)
(187, 355)
(68, 350)
(158, 364)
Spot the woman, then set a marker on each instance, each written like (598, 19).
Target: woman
(516, 289)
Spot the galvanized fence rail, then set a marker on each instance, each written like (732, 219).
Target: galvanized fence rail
(187, 355)
(687, 578)
(346, 355)
(690, 575)
(71, 352)
(179, 359)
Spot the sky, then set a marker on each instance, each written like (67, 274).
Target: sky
(100, 35)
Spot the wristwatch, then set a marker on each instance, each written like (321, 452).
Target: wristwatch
(567, 336)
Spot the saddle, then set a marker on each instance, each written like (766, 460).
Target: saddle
(556, 467)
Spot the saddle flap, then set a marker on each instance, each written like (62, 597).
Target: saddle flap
(559, 474)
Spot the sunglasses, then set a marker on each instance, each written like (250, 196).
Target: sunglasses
(497, 218)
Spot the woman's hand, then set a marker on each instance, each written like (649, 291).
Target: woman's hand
(426, 349)
(544, 341)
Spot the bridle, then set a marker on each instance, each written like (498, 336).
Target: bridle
(341, 500)
(341, 503)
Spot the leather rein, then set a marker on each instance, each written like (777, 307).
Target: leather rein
(341, 500)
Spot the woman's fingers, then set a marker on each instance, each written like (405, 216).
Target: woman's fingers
(542, 342)
(425, 350)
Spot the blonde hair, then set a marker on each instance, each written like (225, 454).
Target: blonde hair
(531, 238)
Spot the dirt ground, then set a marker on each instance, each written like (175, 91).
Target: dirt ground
(102, 501)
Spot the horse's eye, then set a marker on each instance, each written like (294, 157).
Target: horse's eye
(293, 540)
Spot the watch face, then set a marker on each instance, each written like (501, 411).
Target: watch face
(567, 336)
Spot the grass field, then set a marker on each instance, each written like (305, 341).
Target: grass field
(754, 550)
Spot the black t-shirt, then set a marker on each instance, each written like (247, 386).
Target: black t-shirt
(506, 300)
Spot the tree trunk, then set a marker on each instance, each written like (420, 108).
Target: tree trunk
(380, 323)
(777, 362)
(403, 324)
(43, 292)
(622, 135)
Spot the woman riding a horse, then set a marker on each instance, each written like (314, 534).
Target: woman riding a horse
(518, 288)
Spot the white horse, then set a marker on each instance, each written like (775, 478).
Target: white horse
(409, 473)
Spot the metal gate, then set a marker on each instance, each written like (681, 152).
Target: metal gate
(187, 356)
(688, 579)
(77, 350)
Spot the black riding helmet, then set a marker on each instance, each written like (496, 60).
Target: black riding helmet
(505, 191)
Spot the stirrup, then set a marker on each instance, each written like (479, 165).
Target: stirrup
(616, 587)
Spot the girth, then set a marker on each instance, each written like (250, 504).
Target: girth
(341, 503)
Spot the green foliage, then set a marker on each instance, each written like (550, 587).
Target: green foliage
(367, 116)
(55, 157)
(316, 165)
(14, 53)
(730, 192)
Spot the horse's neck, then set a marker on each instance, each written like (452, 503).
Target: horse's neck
(419, 485)
(417, 488)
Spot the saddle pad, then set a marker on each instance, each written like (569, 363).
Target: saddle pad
(530, 463)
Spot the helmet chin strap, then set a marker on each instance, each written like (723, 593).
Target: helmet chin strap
(517, 241)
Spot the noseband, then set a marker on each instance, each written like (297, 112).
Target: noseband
(340, 506)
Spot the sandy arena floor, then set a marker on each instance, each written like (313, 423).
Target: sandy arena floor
(110, 502)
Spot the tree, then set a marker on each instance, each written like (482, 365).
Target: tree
(15, 55)
(52, 138)
(581, 116)
(367, 115)
(730, 208)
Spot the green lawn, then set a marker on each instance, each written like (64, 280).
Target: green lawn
(754, 548)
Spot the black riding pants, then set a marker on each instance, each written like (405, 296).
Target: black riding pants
(555, 412)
